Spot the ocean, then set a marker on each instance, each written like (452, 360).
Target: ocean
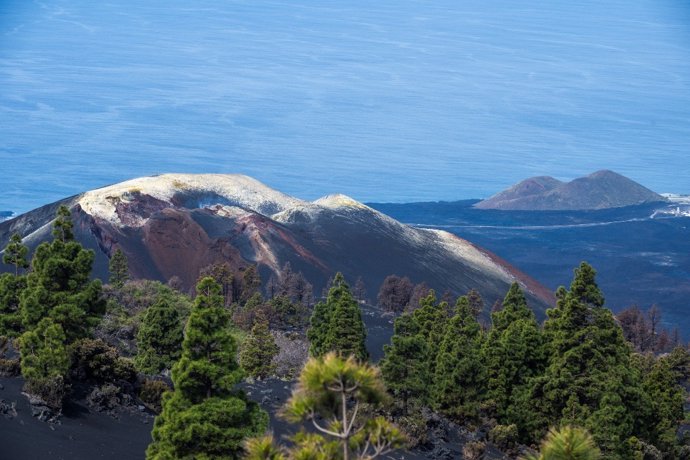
(397, 101)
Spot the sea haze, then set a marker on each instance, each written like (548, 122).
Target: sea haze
(385, 101)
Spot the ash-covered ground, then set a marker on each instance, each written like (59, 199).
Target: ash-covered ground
(85, 434)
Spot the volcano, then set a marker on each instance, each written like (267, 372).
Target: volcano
(174, 225)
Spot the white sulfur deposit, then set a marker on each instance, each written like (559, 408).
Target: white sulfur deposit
(469, 253)
(234, 189)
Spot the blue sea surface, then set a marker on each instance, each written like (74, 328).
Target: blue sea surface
(394, 100)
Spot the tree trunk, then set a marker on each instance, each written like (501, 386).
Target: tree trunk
(346, 439)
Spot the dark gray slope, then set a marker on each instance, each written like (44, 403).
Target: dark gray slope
(80, 435)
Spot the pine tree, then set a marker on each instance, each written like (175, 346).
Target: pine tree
(584, 286)
(662, 386)
(431, 319)
(58, 305)
(460, 375)
(254, 302)
(567, 443)
(259, 349)
(45, 361)
(251, 283)
(513, 353)
(206, 417)
(513, 308)
(318, 329)
(244, 317)
(347, 334)
(589, 379)
(12, 286)
(293, 285)
(288, 314)
(62, 226)
(59, 286)
(223, 274)
(476, 302)
(159, 338)
(405, 365)
(15, 254)
(336, 325)
(333, 394)
(119, 269)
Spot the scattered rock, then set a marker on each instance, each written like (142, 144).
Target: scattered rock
(438, 426)
(7, 409)
(104, 399)
(441, 453)
(126, 400)
(41, 410)
(44, 413)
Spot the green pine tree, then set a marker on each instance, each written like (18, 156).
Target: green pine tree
(287, 313)
(254, 302)
(347, 334)
(584, 286)
(405, 365)
(206, 416)
(476, 302)
(318, 329)
(460, 375)
(15, 254)
(337, 325)
(59, 284)
(58, 305)
(63, 226)
(243, 317)
(119, 269)
(259, 349)
(159, 338)
(337, 396)
(514, 308)
(45, 361)
(589, 379)
(513, 353)
(432, 319)
(12, 286)
(662, 386)
(567, 443)
(251, 283)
